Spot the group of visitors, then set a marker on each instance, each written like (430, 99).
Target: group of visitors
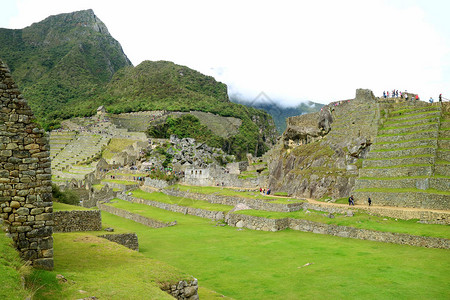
(351, 201)
(264, 192)
(393, 94)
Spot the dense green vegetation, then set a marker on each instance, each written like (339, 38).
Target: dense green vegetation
(61, 66)
(186, 126)
(67, 196)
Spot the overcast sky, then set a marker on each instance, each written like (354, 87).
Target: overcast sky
(290, 50)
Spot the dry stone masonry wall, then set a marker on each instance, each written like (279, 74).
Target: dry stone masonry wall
(77, 220)
(129, 240)
(25, 177)
(265, 224)
(134, 217)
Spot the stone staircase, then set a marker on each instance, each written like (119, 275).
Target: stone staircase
(408, 163)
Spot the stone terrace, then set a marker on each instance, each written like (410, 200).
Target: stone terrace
(408, 164)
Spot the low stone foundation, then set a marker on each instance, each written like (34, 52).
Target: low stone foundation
(259, 223)
(183, 290)
(77, 220)
(134, 217)
(129, 240)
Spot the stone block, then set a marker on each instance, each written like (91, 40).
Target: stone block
(43, 263)
(44, 217)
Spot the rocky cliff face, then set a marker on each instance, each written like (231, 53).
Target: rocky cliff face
(318, 154)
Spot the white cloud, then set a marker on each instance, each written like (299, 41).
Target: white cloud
(291, 50)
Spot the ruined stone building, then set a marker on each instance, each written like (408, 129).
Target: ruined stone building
(25, 177)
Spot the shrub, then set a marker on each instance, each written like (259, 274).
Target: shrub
(68, 196)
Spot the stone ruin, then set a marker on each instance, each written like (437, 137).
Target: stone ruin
(26, 205)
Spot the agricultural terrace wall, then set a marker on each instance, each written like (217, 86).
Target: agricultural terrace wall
(259, 204)
(25, 177)
(431, 217)
(129, 240)
(259, 223)
(203, 213)
(134, 217)
(77, 220)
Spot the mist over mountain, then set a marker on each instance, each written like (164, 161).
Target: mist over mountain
(278, 111)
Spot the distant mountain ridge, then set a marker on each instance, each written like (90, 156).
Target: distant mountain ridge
(68, 65)
(61, 61)
(278, 112)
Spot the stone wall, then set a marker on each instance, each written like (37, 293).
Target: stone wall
(429, 217)
(259, 223)
(106, 193)
(156, 183)
(258, 204)
(129, 240)
(203, 213)
(25, 177)
(77, 220)
(183, 290)
(134, 217)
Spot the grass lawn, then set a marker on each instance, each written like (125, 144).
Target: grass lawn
(58, 206)
(161, 197)
(247, 264)
(102, 269)
(124, 182)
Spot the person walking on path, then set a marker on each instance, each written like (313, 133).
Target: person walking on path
(440, 98)
(370, 201)
(351, 201)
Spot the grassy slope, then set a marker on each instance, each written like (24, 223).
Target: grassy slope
(102, 269)
(246, 264)
(10, 271)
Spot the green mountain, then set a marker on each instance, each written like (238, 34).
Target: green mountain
(163, 85)
(278, 112)
(68, 65)
(62, 62)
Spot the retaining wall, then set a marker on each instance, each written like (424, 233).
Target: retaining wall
(129, 240)
(77, 220)
(203, 213)
(259, 223)
(134, 217)
(258, 204)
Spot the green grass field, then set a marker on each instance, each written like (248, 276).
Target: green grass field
(96, 267)
(246, 264)
(160, 197)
